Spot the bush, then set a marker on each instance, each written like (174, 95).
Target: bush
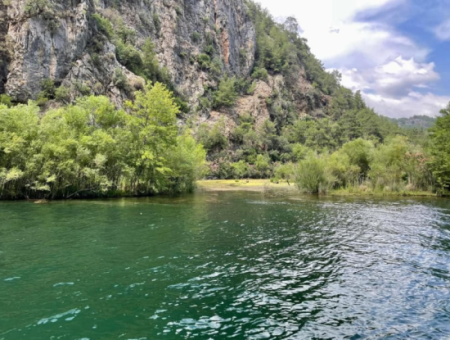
(310, 176)
(36, 7)
(104, 25)
(157, 22)
(120, 79)
(260, 73)
(204, 61)
(129, 57)
(62, 94)
(48, 88)
(196, 37)
(226, 95)
(205, 103)
(5, 100)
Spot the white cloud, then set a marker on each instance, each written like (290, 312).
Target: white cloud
(395, 78)
(333, 33)
(443, 30)
(412, 104)
(390, 88)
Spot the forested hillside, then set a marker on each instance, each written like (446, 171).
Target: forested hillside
(223, 77)
(416, 122)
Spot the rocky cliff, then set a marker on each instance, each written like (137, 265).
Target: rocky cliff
(70, 43)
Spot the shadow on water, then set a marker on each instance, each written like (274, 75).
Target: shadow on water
(222, 265)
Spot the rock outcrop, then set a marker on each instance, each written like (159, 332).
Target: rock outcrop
(62, 41)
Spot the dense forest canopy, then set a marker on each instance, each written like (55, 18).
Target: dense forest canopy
(93, 149)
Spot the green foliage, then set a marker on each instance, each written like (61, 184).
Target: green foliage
(204, 61)
(44, 9)
(62, 94)
(260, 73)
(92, 149)
(196, 37)
(205, 103)
(104, 25)
(310, 176)
(156, 22)
(280, 49)
(440, 149)
(262, 165)
(213, 138)
(36, 7)
(395, 166)
(129, 56)
(48, 88)
(226, 95)
(284, 172)
(240, 169)
(120, 79)
(47, 93)
(416, 122)
(5, 100)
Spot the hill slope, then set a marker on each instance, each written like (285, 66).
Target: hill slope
(250, 87)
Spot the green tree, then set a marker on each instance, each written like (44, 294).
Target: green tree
(311, 177)
(440, 149)
(226, 95)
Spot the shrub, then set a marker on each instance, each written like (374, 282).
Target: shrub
(204, 61)
(209, 50)
(36, 7)
(120, 79)
(205, 103)
(157, 22)
(48, 88)
(196, 37)
(129, 56)
(260, 73)
(83, 88)
(62, 94)
(226, 95)
(5, 100)
(104, 25)
(310, 175)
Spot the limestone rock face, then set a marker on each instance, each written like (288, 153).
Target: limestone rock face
(62, 40)
(53, 43)
(45, 45)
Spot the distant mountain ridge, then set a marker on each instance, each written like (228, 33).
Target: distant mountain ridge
(416, 122)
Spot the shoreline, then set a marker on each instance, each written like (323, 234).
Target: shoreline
(262, 185)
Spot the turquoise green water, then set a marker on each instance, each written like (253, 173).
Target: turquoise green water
(225, 266)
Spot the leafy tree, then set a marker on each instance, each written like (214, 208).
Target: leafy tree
(440, 148)
(240, 169)
(311, 176)
(93, 149)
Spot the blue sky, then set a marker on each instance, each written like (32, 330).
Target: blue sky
(395, 51)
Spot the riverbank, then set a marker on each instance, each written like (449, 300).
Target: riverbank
(255, 185)
(261, 185)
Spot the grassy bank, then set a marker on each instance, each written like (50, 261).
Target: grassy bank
(381, 193)
(260, 185)
(257, 185)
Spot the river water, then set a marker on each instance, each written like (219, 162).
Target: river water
(229, 265)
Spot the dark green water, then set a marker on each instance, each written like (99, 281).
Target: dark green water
(225, 266)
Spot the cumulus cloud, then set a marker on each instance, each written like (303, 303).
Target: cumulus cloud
(412, 104)
(333, 32)
(443, 31)
(391, 89)
(396, 77)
